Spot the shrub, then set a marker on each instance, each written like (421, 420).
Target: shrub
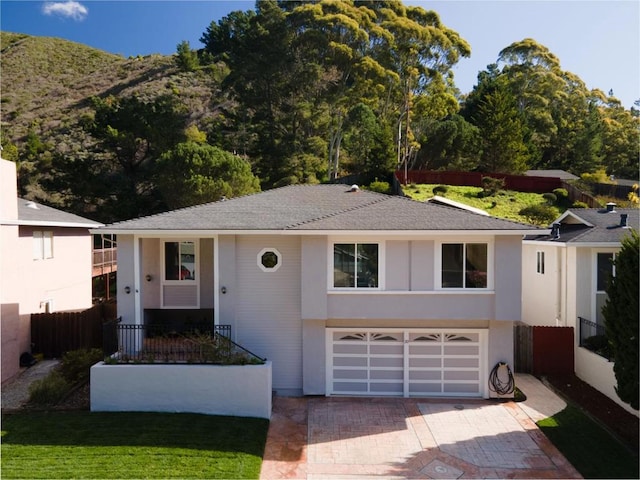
(599, 176)
(76, 364)
(561, 194)
(491, 186)
(579, 204)
(539, 214)
(550, 198)
(380, 187)
(49, 390)
(440, 190)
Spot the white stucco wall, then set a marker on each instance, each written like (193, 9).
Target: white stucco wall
(598, 372)
(237, 390)
(541, 292)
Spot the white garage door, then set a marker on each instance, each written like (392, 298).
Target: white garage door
(407, 362)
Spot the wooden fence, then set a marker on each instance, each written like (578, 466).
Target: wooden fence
(520, 183)
(53, 334)
(543, 350)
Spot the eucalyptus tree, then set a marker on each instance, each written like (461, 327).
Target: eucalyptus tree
(337, 36)
(421, 51)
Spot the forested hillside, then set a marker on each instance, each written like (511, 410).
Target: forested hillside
(291, 93)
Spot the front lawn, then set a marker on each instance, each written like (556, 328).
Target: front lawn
(589, 447)
(131, 445)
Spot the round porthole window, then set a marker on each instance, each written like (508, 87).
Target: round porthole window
(269, 259)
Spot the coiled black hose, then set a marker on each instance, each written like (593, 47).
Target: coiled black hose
(497, 385)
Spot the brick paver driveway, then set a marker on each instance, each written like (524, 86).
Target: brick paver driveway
(347, 438)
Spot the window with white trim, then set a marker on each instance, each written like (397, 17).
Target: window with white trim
(356, 265)
(464, 265)
(269, 259)
(540, 262)
(180, 261)
(180, 274)
(42, 245)
(605, 270)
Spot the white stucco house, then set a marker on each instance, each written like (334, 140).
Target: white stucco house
(345, 291)
(45, 265)
(565, 277)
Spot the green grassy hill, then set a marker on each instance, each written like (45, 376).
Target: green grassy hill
(505, 204)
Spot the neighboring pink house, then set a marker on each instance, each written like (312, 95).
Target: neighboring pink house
(45, 265)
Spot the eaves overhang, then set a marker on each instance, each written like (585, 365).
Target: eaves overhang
(45, 223)
(293, 232)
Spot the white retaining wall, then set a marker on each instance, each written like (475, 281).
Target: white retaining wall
(598, 372)
(236, 390)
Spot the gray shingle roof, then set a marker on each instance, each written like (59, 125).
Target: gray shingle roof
(33, 213)
(593, 225)
(316, 208)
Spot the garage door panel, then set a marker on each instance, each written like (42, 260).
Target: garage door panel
(461, 375)
(425, 375)
(387, 375)
(386, 388)
(350, 361)
(387, 349)
(350, 374)
(460, 388)
(350, 349)
(472, 362)
(428, 362)
(425, 362)
(425, 349)
(462, 350)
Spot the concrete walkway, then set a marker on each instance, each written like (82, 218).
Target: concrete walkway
(15, 393)
(396, 438)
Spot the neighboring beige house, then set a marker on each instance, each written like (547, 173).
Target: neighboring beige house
(564, 281)
(45, 265)
(345, 291)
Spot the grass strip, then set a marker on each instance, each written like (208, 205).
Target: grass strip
(58, 445)
(593, 451)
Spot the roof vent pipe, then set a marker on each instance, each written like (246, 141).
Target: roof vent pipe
(623, 220)
(611, 207)
(555, 231)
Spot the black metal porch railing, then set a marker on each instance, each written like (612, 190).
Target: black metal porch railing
(593, 337)
(195, 344)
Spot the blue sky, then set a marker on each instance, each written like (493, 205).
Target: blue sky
(597, 40)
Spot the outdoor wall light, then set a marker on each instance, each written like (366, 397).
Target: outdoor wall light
(127, 290)
(148, 277)
(223, 290)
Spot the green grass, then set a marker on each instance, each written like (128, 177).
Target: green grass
(588, 446)
(56, 445)
(505, 204)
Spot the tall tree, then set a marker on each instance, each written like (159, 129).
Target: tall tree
(502, 133)
(192, 173)
(117, 177)
(621, 318)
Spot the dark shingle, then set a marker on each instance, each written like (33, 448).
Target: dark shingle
(34, 213)
(318, 207)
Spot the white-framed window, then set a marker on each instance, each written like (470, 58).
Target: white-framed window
(540, 262)
(180, 260)
(605, 270)
(42, 245)
(269, 259)
(180, 274)
(356, 265)
(464, 265)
